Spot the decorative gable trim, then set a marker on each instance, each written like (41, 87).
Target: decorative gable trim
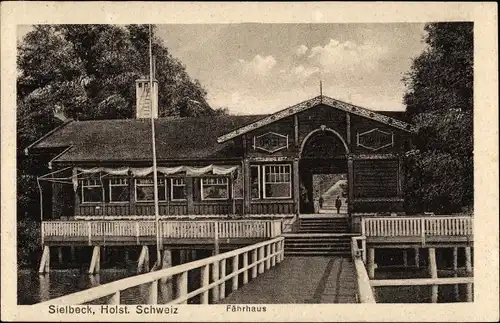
(347, 107)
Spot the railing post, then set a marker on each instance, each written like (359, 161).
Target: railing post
(182, 286)
(268, 254)
(261, 258)
(215, 277)
(255, 258)
(205, 272)
(235, 269)
(153, 293)
(222, 286)
(273, 251)
(114, 299)
(245, 265)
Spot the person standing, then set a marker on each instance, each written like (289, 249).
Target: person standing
(338, 204)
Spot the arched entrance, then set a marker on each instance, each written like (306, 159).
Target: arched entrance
(322, 170)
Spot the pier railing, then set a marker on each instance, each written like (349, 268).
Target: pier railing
(255, 260)
(195, 229)
(418, 226)
(364, 290)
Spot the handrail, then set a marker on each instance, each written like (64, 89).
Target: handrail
(275, 254)
(422, 281)
(364, 289)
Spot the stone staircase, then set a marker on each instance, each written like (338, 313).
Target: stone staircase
(320, 236)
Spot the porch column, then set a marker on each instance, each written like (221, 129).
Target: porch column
(296, 185)
(189, 197)
(350, 182)
(246, 186)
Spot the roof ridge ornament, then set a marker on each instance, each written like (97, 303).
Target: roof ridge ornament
(305, 105)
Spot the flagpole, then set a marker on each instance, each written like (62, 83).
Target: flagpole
(155, 174)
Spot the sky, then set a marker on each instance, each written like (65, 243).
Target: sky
(256, 68)
(253, 68)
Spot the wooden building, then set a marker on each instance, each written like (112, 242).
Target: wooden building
(224, 165)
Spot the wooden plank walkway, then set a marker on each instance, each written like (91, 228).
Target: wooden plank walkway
(302, 280)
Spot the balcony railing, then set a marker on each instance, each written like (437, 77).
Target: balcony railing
(421, 226)
(195, 229)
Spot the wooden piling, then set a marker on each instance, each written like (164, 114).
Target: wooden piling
(143, 263)
(60, 255)
(468, 270)
(166, 262)
(405, 258)
(182, 257)
(433, 273)
(417, 257)
(72, 254)
(45, 261)
(95, 263)
(254, 259)
(455, 272)
(126, 256)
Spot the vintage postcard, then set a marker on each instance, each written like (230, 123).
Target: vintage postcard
(249, 161)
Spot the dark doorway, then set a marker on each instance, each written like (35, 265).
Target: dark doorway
(323, 163)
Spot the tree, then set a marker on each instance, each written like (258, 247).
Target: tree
(439, 100)
(89, 71)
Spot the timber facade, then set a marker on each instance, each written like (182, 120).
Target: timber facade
(225, 165)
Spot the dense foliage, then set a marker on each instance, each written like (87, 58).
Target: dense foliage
(86, 72)
(439, 100)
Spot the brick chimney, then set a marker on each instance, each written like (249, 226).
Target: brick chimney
(143, 99)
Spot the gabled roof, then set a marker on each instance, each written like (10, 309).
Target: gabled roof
(130, 139)
(325, 100)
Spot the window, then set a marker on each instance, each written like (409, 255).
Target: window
(277, 182)
(118, 190)
(178, 189)
(255, 182)
(91, 190)
(144, 190)
(214, 188)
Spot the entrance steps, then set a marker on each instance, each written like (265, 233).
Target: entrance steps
(325, 224)
(320, 236)
(311, 244)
